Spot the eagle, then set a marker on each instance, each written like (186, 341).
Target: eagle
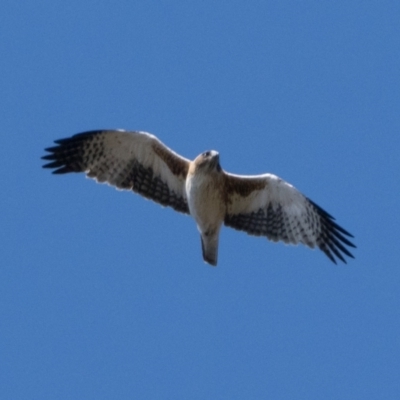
(261, 205)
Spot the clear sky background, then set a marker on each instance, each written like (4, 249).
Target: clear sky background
(104, 295)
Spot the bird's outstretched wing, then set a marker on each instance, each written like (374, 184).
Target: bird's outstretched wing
(265, 205)
(135, 161)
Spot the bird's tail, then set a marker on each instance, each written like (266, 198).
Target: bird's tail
(209, 245)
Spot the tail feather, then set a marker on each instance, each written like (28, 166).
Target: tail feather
(209, 246)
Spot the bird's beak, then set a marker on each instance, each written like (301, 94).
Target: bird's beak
(214, 158)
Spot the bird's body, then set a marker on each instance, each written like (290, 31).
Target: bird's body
(262, 205)
(204, 191)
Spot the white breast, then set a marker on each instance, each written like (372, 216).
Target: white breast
(205, 201)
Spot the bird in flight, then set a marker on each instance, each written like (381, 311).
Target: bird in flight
(261, 205)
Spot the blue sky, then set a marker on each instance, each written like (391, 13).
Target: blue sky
(104, 295)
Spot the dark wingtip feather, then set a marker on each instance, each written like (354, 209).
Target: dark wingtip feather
(336, 252)
(332, 239)
(340, 229)
(344, 239)
(54, 164)
(68, 155)
(63, 170)
(329, 254)
(341, 247)
(48, 157)
(55, 149)
(320, 210)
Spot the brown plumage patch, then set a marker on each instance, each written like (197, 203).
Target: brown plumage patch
(242, 187)
(177, 166)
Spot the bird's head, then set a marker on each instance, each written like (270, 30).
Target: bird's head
(208, 161)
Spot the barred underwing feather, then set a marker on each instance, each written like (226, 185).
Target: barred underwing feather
(271, 207)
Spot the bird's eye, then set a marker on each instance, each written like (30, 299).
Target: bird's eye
(206, 153)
